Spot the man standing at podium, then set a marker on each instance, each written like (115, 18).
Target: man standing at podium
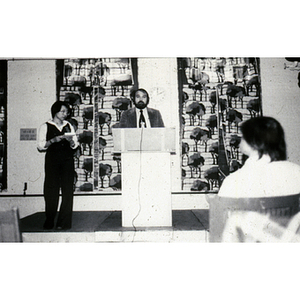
(141, 116)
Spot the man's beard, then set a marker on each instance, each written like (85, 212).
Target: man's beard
(140, 105)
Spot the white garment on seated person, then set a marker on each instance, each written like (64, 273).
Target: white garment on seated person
(262, 178)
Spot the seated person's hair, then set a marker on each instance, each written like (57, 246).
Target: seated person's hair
(265, 135)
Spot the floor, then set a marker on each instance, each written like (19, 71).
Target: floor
(105, 226)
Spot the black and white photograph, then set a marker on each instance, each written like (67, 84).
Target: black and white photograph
(149, 150)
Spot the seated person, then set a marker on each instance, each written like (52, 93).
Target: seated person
(141, 115)
(266, 172)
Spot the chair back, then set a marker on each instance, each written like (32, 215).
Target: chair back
(220, 209)
(10, 226)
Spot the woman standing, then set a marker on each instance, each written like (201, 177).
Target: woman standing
(58, 139)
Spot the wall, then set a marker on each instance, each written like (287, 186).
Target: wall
(280, 99)
(159, 77)
(31, 92)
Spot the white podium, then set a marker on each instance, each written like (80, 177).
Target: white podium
(146, 175)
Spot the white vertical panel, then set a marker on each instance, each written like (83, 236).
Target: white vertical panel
(31, 92)
(281, 100)
(159, 77)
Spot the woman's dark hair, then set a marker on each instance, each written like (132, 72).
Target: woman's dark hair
(265, 135)
(56, 107)
(133, 92)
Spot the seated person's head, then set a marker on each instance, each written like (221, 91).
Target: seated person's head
(264, 135)
(140, 98)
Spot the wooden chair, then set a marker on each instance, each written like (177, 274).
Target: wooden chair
(253, 227)
(220, 210)
(10, 226)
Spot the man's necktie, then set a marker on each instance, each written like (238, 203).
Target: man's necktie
(142, 119)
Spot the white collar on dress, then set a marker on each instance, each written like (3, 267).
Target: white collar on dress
(59, 127)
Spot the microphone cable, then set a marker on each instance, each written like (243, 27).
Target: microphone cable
(139, 184)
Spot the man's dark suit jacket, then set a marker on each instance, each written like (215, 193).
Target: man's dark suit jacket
(128, 118)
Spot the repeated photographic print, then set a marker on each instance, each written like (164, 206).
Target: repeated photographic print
(98, 90)
(216, 95)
